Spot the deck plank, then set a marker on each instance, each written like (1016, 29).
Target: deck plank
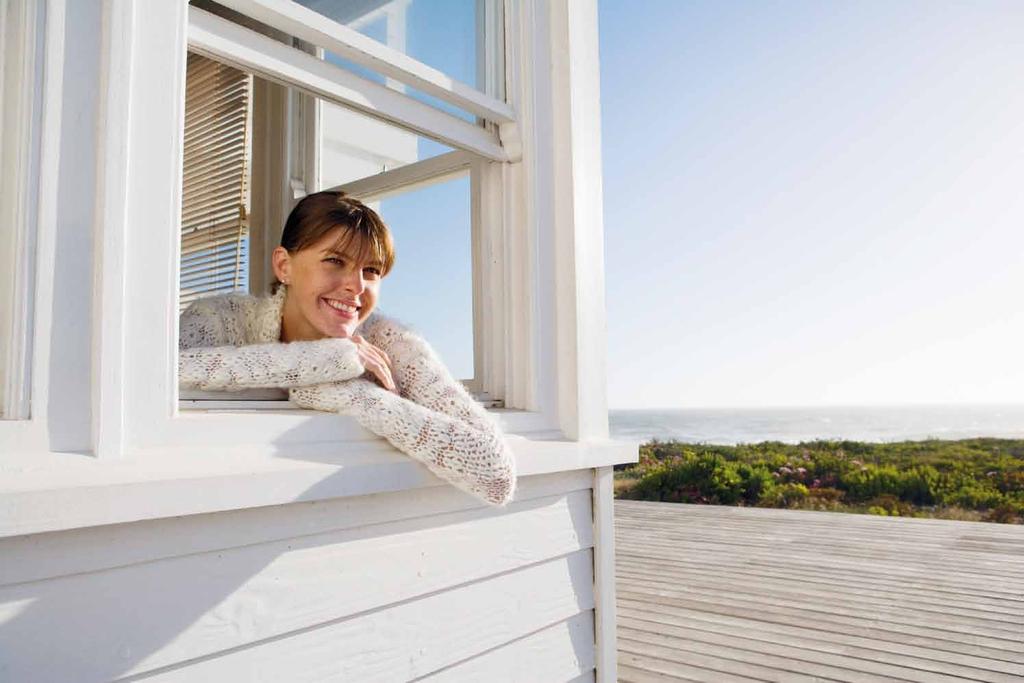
(711, 593)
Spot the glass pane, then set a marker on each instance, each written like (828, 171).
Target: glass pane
(215, 180)
(449, 35)
(431, 286)
(441, 33)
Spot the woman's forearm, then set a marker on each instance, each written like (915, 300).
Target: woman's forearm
(268, 365)
(476, 460)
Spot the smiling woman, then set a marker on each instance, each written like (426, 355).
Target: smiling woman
(334, 253)
(334, 273)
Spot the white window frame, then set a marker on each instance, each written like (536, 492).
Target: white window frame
(144, 417)
(21, 79)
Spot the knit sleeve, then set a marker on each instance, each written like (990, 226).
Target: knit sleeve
(213, 354)
(474, 459)
(423, 377)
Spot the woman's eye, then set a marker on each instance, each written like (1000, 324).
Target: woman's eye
(334, 260)
(374, 271)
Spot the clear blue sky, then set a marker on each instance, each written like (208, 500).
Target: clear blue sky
(813, 203)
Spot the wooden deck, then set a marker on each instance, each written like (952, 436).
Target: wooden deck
(736, 594)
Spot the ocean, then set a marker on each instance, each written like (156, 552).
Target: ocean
(791, 425)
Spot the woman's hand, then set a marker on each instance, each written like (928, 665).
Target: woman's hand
(376, 362)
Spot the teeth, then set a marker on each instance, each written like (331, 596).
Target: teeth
(340, 306)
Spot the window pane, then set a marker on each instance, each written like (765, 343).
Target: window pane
(449, 35)
(431, 286)
(440, 33)
(215, 181)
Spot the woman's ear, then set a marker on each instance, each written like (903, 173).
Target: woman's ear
(282, 262)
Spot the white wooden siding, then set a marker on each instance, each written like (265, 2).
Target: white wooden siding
(380, 587)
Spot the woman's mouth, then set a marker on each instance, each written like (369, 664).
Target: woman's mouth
(342, 309)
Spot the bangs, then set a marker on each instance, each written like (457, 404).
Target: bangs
(361, 229)
(367, 245)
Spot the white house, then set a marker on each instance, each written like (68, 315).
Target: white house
(150, 150)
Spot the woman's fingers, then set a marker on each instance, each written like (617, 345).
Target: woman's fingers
(377, 362)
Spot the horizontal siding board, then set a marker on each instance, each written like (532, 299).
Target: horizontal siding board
(409, 640)
(191, 606)
(38, 557)
(561, 652)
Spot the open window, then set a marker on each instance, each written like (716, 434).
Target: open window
(284, 99)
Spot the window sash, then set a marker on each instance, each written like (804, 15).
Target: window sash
(311, 26)
(250, 51)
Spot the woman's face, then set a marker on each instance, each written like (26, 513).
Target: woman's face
(329, 292)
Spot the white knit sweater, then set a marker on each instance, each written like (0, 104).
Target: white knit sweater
(232, 342)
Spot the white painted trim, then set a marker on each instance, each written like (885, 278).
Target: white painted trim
(604, 574)
(492, 268)
(111, 229)
(245, 49)
(349, 44)
(20, 170)
(409, 177)
(55, 492)
(520, 224)
(271, 191)
(578, 223)
(476, 273)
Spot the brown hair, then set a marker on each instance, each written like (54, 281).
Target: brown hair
(321, 212)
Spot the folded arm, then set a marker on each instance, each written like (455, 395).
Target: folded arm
(477, 461)
(268, 365)
(215, 352)
(435, 420)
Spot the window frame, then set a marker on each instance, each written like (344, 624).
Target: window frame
(145, 418)
(22, 58)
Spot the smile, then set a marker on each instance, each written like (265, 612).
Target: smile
(345, 310)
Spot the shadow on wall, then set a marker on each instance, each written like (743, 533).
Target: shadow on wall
(224, 592)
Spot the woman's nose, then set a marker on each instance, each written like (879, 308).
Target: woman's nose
(354, 281)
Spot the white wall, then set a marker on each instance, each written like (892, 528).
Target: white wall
(380, 587)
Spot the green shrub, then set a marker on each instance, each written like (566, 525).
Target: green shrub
(756, 481)
(893, 506)
(785, 496)
(871, 481)
(921, 485)
(953, 479)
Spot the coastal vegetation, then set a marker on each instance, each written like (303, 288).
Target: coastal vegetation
(972, 479)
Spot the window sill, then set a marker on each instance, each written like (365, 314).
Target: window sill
(54, 492)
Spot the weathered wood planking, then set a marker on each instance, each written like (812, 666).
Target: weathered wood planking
(711, 593)
(152, 596)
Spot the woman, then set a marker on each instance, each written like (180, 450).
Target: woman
(319, 337)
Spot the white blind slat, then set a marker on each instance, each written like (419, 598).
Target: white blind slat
(215, 182)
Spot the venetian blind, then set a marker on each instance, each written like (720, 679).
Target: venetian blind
(214, 214)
